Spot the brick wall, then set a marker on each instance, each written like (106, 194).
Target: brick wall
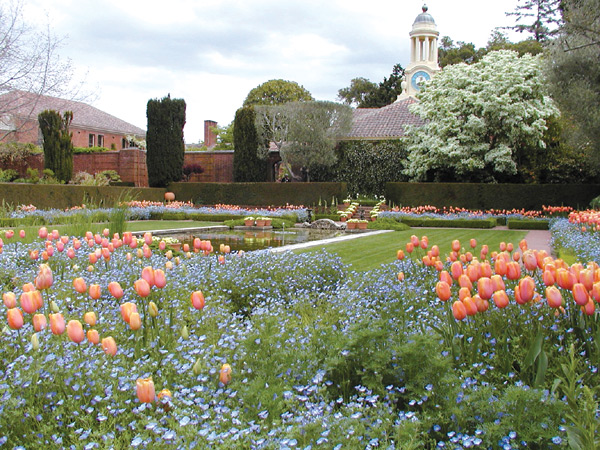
(130, 164)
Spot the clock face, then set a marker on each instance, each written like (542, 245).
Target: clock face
(419, 78)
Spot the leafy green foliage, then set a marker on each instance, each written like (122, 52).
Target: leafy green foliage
(164, 139)
(366, 94)
(58, 148)
(483, 120)
(368, 165)
(574, 70)
(277, 92)
(248, 164)
(527, 224)
(305, 132)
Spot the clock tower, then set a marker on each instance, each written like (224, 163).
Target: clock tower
(423, 54)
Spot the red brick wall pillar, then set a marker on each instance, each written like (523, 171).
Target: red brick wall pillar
(132, 166)
(210, 137)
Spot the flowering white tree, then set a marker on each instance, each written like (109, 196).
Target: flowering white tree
(483, 120)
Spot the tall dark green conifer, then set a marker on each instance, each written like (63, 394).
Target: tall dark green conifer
(164, 140)
(58, 147)
(247, 165)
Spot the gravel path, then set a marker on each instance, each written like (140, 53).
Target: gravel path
(539, 240)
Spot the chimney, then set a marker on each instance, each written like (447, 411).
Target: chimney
(210, 137)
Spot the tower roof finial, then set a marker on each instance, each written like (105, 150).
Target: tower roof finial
(424, 8)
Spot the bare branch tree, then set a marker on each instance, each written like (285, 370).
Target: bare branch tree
(29, 64)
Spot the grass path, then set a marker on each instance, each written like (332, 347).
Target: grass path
(370, 252)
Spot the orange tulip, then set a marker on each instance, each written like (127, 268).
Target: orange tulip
(9, 299)
(15, 318)
(463, 293)
(509, 247)
(456, 247)
(115, 289)
(95, 291)
(148, 238)
(586, 277)
(57, 323)
(92, 258)
(442, 289)
(197, 299)
(28, 302)
(553, 297)
(527, 289)
(523, 245)
(127, 309)
(530, 261)
(90, 318)
(160, 281)
(135, 321)
(225, 374)
(497, 282)
(109, 346)
(502, 246)
(485, 288)
(409, 247)
(79, 285)
(145, 390)
(435, 251)
(43, 232)
(596, 291)
(513, 270)
(486, 269)
(516, 256)
(142, 288)
(500, 267)
(456, 269)
(148, 275)
(44, 279)
(565, 279)
(39, 322)
(580, 294)
(445, 276)
(548, 278)
(75, 331)
(473, 271)
(589, 308)
(473, 243)
(414, 240)
(463, 281)
(93, 336)
(458, 310)
(400, 276)
(400, 254)
(470, 306)
(482, 305)
(500, 299)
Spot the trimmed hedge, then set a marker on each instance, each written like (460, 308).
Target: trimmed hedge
(61, 196)
(481, 196)
(449, 223)
(257, 194)
(528, 224)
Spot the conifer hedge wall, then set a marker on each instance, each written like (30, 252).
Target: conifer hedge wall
(258, 194)
(480, 196)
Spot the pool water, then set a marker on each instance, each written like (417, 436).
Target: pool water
(258, 240)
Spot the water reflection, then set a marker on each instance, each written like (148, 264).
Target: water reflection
(258, 240)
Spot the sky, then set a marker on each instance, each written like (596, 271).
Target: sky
(212, 53)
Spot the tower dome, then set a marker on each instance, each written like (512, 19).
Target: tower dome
(424, 17)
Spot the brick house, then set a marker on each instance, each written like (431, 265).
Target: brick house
(90, 127)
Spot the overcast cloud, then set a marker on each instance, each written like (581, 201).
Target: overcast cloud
(212, 53)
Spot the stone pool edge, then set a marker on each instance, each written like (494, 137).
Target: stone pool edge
(325, 241)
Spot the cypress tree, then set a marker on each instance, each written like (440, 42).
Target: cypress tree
(164, 140)
(58, 147)
(247, 165)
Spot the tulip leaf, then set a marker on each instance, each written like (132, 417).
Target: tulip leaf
(534, 350)
(541, 368)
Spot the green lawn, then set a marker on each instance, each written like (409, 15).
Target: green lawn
(370, 252)
(138, 225)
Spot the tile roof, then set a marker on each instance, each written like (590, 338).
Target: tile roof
(383, 123)
(29, 105)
